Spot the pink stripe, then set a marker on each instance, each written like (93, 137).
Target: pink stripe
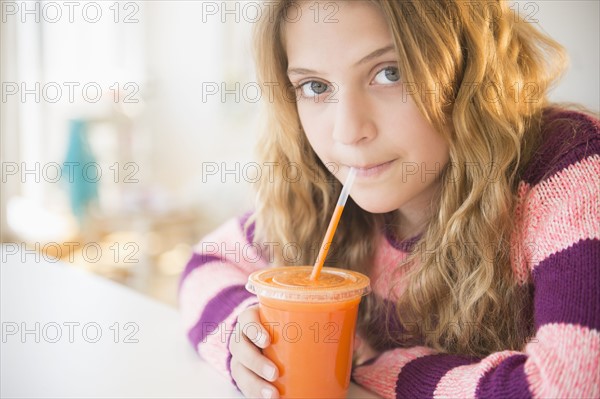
(381, 376)
(563, 362)
(461, 382)
(518, 258)
(555, 214)
(229, 242)
(241, 258)
(386, 276)
(202, 285)
(214, 348)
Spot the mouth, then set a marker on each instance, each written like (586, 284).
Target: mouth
(372, 169)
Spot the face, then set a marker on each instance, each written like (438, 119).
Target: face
(355, 111)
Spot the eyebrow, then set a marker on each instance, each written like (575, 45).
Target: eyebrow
(367, 58)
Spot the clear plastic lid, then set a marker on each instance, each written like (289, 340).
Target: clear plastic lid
(292, 283)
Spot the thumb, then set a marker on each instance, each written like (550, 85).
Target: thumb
(251, 326)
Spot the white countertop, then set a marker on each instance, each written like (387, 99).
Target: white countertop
(69, 333)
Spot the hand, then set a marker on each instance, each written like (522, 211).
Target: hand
(249, 367)
(362, 351)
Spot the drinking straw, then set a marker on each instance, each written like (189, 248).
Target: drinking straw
(335, 219)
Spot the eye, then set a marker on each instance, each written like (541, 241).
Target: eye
(387, 75)
(312, 88)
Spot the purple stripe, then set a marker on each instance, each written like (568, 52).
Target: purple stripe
(195, 262)
(568, 138)
(250, 231)
(405, 245)
(217, 310)
(419, 377)
(507, 380)
(385, 330)
(566, 286)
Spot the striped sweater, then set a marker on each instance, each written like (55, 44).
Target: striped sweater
(556, 253)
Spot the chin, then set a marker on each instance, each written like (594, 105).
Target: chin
(375, 205)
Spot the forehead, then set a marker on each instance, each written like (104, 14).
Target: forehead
(333, 32)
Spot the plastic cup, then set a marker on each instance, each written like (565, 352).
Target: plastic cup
(312, 326)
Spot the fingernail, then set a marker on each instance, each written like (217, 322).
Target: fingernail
(262, 340)
(269, 372)
(266, 393)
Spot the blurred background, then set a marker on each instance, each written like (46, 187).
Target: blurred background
(128, 127)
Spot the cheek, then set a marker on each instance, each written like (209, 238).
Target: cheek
(316, 131)
(442, 151)
(426, 144)
(319, 146)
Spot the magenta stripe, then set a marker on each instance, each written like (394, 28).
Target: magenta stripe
(419, 378)
(507, 380)
(217, 310)
(562, 147)
(195, 262)
(566, 286)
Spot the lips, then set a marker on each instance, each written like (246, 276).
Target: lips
(372, 169)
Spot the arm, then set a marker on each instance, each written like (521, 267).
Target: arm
(562, 217)
(212, 293)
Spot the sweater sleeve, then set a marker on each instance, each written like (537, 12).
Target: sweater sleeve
(560, 224)
(212, 290)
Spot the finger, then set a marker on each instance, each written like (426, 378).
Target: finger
(251, 326)
(252, 358)
(251, 385)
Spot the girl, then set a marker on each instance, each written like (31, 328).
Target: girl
(475, 211)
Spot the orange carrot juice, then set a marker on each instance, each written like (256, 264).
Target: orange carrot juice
(312, 325)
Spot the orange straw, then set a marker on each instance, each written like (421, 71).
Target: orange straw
(335, 219)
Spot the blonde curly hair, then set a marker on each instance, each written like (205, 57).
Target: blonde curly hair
(491, 71)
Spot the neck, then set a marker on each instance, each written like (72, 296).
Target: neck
(413, 217)
(409, 225)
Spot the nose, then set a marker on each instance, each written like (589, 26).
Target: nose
(353, 119)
